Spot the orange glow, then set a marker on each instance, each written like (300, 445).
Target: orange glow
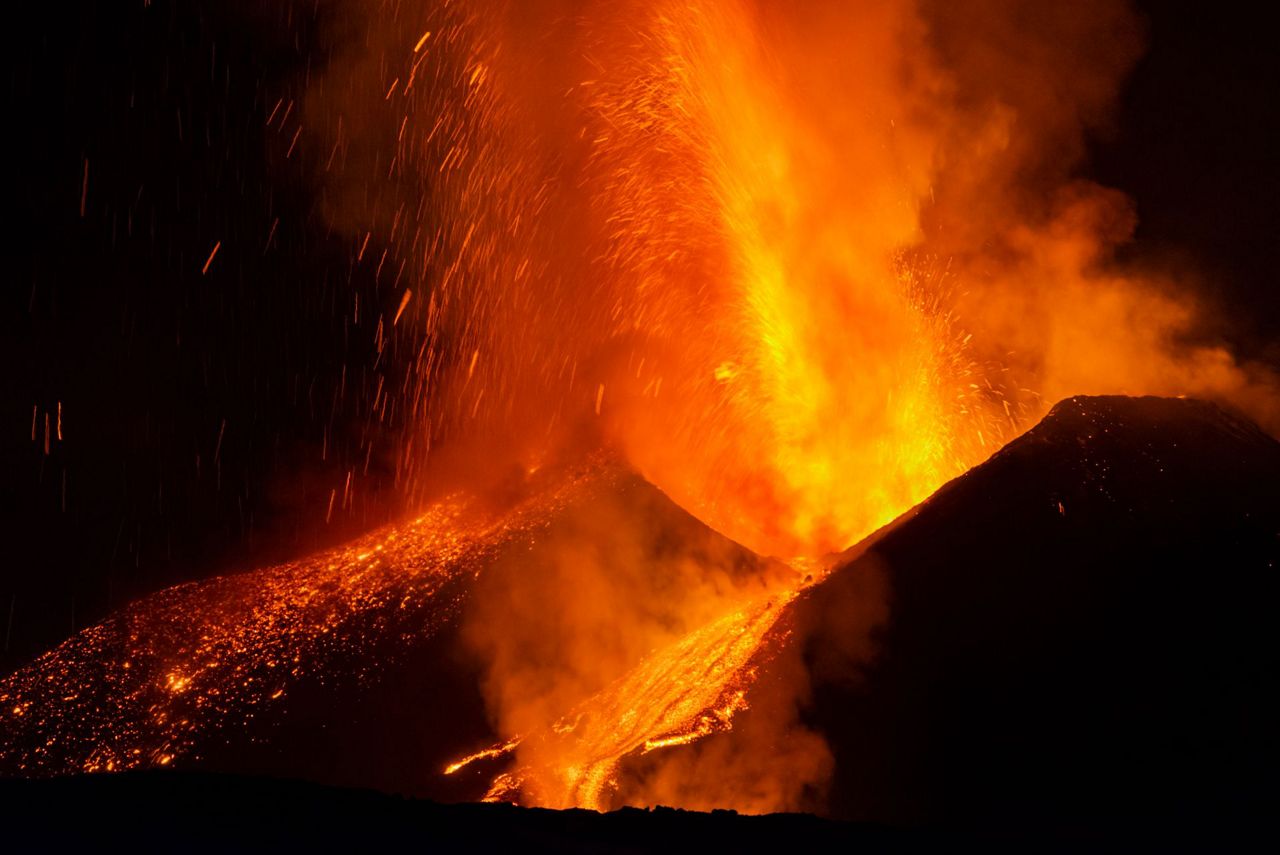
(818, 259)
(815, 387)
(798, 264)
(676, 696)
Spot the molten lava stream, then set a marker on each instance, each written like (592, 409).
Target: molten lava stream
(678, 694)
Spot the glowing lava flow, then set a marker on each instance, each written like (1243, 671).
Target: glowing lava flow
(146, 686)
(680, 693)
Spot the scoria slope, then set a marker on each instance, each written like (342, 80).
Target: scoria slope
(351, 666)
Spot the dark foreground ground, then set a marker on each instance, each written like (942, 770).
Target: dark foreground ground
(202, 812)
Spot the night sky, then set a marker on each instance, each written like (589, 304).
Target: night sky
(196, 402)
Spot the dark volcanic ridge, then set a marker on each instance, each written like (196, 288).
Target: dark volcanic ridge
(1079, 630)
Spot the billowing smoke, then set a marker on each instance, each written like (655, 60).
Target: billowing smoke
(623, 575)
(1031, 242)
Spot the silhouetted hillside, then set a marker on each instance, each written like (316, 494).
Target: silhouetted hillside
(1081, 631)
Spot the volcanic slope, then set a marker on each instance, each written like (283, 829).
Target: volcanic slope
(1080, 631)
(347, 666)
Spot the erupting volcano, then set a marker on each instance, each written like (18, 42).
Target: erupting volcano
(661, 327)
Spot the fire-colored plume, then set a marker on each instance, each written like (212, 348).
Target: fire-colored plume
(799, 263)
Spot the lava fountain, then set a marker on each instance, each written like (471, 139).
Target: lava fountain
(800, 265)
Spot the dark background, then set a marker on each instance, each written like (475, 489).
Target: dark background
(206, 418)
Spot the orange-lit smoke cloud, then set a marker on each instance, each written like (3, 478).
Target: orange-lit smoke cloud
(622, 574)
(803, 262)
(800, 263)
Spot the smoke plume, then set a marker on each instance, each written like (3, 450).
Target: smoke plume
(799, 263)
